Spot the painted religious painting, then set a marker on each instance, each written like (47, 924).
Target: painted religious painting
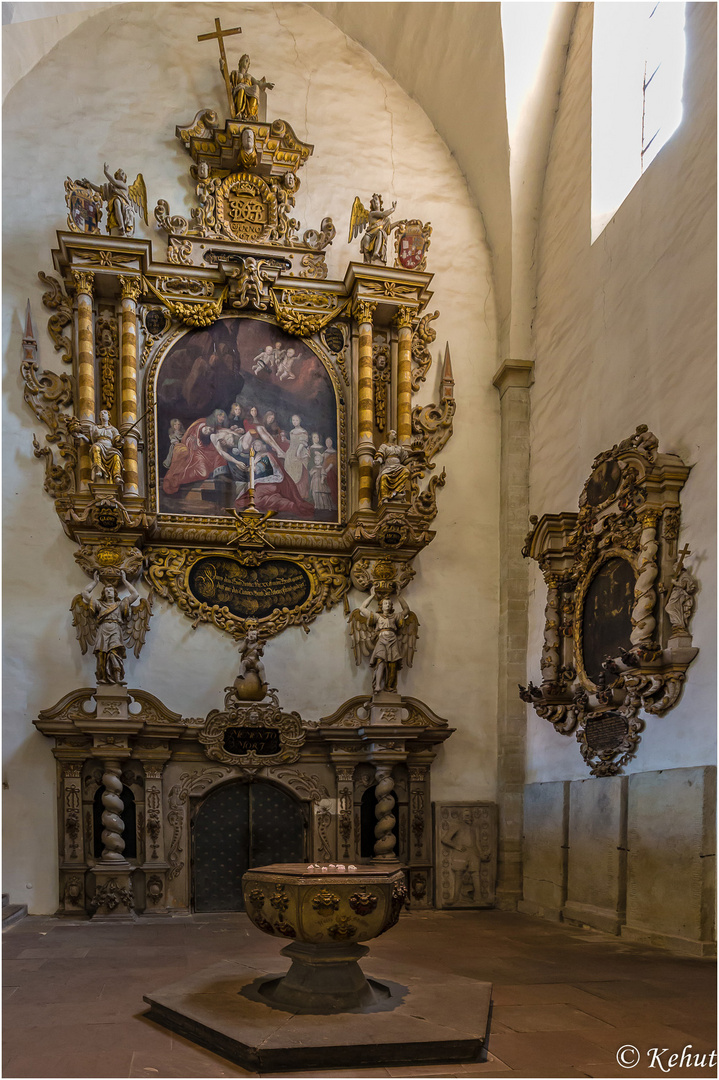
(240, 391)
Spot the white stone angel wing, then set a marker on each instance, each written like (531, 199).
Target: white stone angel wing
(360, 634)
(84, 620)
(138, 624)
(408, 637)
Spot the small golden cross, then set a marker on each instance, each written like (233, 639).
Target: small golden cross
(221, 34)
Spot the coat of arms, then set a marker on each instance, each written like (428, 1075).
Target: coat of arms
(412, 244)
(84, 207)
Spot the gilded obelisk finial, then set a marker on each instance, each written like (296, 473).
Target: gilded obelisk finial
(220, 34)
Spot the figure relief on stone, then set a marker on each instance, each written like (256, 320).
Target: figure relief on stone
(376, 225)
(387, 637)
(464, 842)
(680, 602)
(109, 624)
(246, 90)
(123, 200)
(251, 684)
(393, 477)
(105, 442)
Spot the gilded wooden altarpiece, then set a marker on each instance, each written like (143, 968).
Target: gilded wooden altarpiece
(235, 433)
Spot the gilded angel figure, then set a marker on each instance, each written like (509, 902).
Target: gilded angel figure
(109, 624)
(376, 226)
(123, 200)
(388, 638)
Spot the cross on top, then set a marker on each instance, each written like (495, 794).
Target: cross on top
(220, 35)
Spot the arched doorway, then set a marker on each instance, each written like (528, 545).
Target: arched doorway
(237, 826)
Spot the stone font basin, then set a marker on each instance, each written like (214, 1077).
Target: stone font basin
(325, 916)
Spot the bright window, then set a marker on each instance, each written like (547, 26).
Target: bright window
(637, 74)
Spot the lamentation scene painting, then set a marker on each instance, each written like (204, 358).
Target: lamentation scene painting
(243, 391)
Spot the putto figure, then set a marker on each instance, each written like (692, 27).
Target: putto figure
(110, 624)
(123, 200)
(386, 637)
(105, 446)
(251, 683)
(376, 225)
(245, 90)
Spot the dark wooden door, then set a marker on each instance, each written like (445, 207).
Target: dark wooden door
(238, 826)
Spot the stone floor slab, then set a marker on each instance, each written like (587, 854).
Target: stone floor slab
(219, 1009)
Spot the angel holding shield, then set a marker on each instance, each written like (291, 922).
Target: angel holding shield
(109, 624)
(390, 636)
(123, 200)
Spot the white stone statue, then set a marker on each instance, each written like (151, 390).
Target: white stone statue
(109, 624)
(393, 477)
(376, 225)
(680, 602)
(123, 200)
(105, 443)
(386, 637)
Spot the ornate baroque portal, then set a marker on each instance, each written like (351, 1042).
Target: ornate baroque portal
(236, 434)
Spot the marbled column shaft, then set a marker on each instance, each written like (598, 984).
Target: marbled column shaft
(85, 365)
(128, 361)
(365, 404)
(404, 375)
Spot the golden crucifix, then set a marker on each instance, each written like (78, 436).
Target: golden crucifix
(220, 34)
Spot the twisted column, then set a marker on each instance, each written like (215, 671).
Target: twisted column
(645, 596)
(384, 837)
(550, 649)
(83, 281)
(113, 825)
(128, 379)
(403, 320)
(363, 312)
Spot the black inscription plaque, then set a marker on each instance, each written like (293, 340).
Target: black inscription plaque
(259, 740)
(605, 732)
(249, 592)
(607, 615)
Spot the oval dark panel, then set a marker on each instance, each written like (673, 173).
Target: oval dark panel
(249, 592)
(603, 482)
(607, 615)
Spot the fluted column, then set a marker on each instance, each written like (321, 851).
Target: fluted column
(128, 379)
(83, 281)
(363, 312)
(112, 824)
(384, 845)
(403, 320)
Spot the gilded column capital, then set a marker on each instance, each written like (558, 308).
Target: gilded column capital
(404, 317)
(650, 519)
(131, 288)
(72, 768)
(363, 310)
(552, 579)
(83, 280)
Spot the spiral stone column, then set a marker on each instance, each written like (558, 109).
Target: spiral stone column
(83, 282)
(384, 845)
(550, 648)
(403, 320)
(112, 823)
(128, 379)
(363, 312)
(645, 595)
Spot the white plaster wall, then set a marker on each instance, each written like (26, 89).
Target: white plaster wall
(625, 334)
(114, 90)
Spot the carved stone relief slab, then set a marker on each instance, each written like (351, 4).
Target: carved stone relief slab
(465, 854)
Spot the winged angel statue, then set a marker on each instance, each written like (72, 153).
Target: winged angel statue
(123, 200)
(376, 226)
(109, 624)
(388, 638)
